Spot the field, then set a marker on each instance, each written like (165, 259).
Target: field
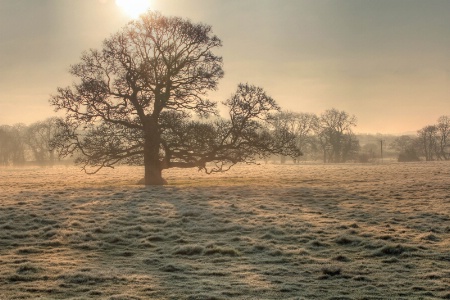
(374, 231)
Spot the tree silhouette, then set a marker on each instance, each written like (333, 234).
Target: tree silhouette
(38, 136)
(12, 147)
(443, 128)
(141, 99)
(301, 125)
(334, 131)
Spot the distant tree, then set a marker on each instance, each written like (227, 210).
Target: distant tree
(367, 152)
(402, 143)
(434, 140)
(350, 147)
(443, 128)
(301, 125)
(371, 149)
(428, 142)
(335, 135)
(407, 148)
(12, 148)
(409, 154)
(38, 137)
(136, 97)
(4, 145)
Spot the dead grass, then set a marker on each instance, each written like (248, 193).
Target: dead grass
(308, 232)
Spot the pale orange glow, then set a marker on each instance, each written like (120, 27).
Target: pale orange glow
(134, 8)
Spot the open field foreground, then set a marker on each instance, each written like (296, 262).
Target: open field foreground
(256, 232)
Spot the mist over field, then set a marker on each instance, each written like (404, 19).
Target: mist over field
(307, 231)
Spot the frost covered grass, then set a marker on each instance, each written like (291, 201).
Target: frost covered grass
(256, 232)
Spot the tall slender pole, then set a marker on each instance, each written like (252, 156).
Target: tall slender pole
(381, 142)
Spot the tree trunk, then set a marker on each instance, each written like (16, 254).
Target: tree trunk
(153, 170)
(153, 174)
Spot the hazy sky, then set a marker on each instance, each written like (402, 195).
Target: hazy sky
(385, 61)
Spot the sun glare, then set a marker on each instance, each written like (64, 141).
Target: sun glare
(133, 8)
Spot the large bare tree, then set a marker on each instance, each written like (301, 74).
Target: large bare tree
(142, 99)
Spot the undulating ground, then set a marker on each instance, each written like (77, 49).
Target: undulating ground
(347, 231)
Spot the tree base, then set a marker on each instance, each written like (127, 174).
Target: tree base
(162, 182)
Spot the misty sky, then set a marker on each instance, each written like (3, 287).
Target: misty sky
(385, 61)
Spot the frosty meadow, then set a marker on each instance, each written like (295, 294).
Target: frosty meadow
(344, 231)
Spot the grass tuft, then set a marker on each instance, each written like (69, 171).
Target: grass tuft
(155, 238)
(202, 297)
(431, 237)
(28, 250)
(171, 268)
(393, 250)
(84, 279)
(27, 269)
(318, 244)
(22, 278)
(341, 258)
(189, 250)
(345, 240)
(222, 251)
(331, 271)
(124, 297)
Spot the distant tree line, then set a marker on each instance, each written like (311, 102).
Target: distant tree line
(21, 144)
(432, 142)
(327, 137)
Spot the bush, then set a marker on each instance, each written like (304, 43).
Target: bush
(363, 158)
(408, 155)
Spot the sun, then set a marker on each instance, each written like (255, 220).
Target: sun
(133, 8)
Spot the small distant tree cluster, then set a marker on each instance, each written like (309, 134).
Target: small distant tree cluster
(329, 133)
(38, 137)
(12, 146)
(302, 127)
(20, 144)
(335, 135)
(434, 140)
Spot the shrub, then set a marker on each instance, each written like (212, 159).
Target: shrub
(189, 250)
(363, 158)
(408, 155)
